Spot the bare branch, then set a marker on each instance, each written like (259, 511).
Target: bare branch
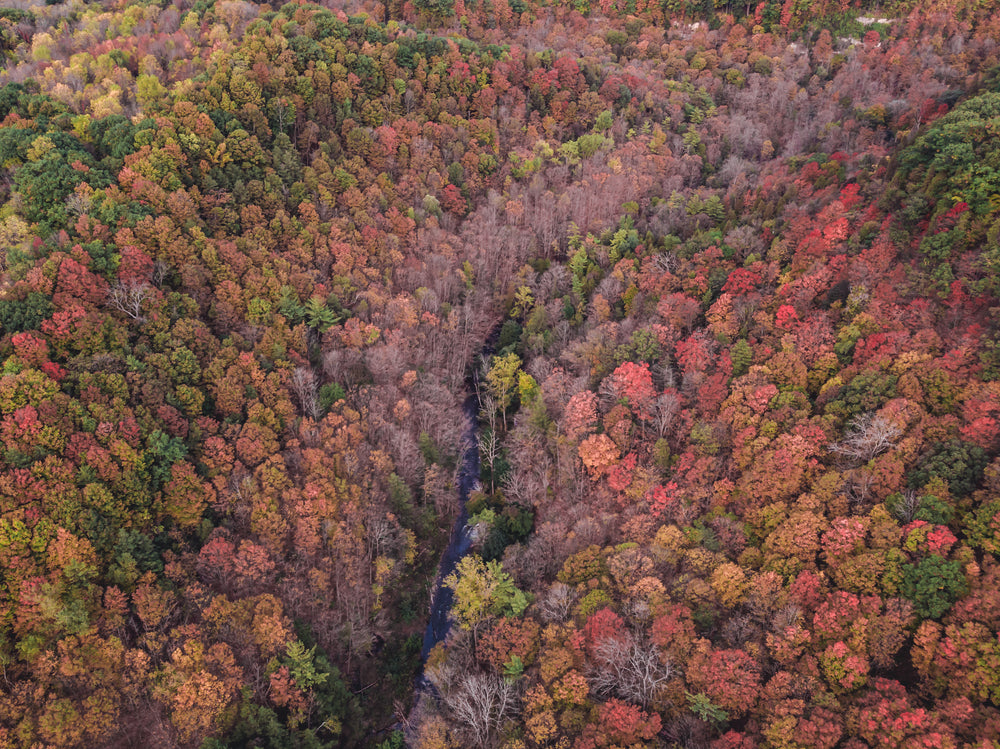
(481, 703)
(906, 508)
(870, 435)
(665, 410)
(128, 297)
(303, 384)
(631, 668)
(555, 605)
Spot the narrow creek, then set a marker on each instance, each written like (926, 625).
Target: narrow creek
(459, 544)
(460, 541)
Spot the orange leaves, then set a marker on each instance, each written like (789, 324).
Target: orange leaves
(571, 689)
(506, 638)
(152, 604)
(283, 691)
(200, 685)
(186, 497)
(198, 705)
(255, 444)
(598, 454)
(836, 231)
(580, 415)
(626, 724)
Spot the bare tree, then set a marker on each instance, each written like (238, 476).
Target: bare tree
(630, 667)
(870, 435)
(489, 442)
(664, 374)
(906, 508)
(128, 297)
(610, 391)
(857, 488)
(479, 702)
(555, 605)
(303, 384)
(516, 487)
(665, 410)
(160, 271)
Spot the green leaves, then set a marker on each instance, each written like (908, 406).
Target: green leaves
(163, 451)
(705, 709)
(302, 667)
(501, 379)
(315, 313)
(957, 158)
(17, 315)
(961, 464)
(513, 669)
(483, 589)
(933, 585)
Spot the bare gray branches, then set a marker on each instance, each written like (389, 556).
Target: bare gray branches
(630, 667)
(870, 435)
(128, 297)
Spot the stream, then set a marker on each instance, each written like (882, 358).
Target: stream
(460, 541)
(459, 544)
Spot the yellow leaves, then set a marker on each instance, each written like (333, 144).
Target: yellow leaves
(107, 105)
(41, 47)
(245, 91)
(149, 90)
(186, 496)
(14, 230)
(555, 662)
(39, 148)
(794, 544)
(542, 727)
(409, 546)
(433, 734)
(729, 583)
(60, 723)
(571, 688)
(383, 571)
(669, 544)
(702, 561)
(199, 685)
(502, 378)
(658, 139)
(221, 156)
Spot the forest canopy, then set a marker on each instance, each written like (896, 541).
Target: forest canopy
(721, 277)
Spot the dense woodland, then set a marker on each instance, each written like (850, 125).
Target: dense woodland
(728, 276)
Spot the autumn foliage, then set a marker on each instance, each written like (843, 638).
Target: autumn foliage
(725, 276)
